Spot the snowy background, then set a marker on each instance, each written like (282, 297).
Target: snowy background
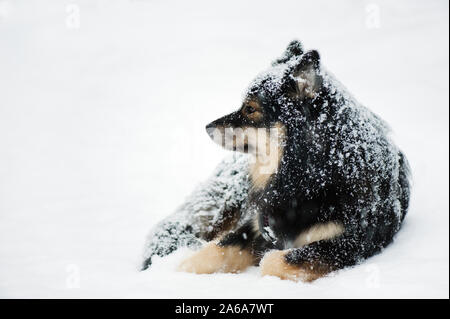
(102, 112)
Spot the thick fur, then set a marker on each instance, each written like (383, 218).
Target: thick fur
(337, 188)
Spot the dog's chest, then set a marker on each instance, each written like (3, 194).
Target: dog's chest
(282, 222)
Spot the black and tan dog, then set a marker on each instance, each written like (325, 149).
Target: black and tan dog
(328, 187)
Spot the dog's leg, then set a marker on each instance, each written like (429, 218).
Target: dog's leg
(276, 263)
(231, 254)
(215, 258)
(313, 261)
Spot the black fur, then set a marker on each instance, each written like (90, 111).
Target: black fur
(338, 164)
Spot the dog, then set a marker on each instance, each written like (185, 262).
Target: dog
(328, 188)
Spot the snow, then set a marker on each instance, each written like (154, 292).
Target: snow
(102, 135)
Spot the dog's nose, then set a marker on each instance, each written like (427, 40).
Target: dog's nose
(210, 129)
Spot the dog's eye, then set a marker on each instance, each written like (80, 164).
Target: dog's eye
(250, 109)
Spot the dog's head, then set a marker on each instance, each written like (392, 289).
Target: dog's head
(287, 89)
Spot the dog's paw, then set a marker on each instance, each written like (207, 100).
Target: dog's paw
(207, 260)
(213, 258)
(274, 263)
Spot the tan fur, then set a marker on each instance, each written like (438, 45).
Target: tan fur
(274, 264)
(255, 224)
(319, 232)
(255, 116)
(265, 165)
(259, 181)
(213, 258)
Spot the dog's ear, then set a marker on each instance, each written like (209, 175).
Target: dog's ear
(306, 75)
(294, 48)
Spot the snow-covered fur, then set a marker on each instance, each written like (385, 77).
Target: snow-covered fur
(338, 194)
(213, 207)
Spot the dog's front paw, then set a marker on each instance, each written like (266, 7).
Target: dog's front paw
(207, 260)
(275, 263)
(213, 258)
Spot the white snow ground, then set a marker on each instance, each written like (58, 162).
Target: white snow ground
(102, 113)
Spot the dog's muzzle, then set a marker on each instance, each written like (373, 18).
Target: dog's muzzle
(210, 129)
